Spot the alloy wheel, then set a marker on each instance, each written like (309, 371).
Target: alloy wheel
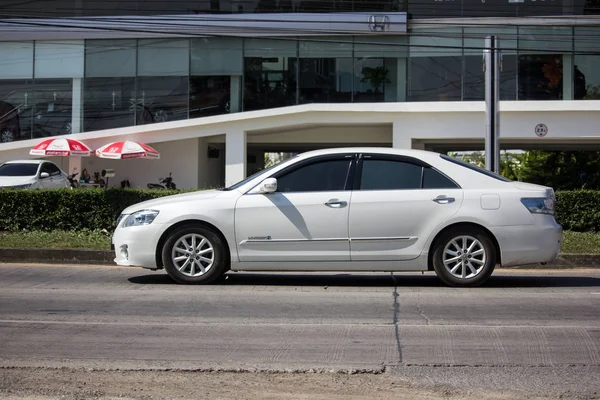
(193, 255)
(464, 257)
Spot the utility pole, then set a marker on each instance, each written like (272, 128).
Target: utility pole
(491, 67)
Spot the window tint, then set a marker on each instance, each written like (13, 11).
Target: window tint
(322, 176)
(50, 169)
(389, 175)
(432, 179)
(18, 169)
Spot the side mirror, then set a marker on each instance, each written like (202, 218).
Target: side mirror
(269, 185)
(44, 175)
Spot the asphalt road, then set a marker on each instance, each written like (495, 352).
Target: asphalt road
(533, 331)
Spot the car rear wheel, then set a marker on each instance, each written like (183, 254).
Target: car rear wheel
(464, 257)
(194, 254)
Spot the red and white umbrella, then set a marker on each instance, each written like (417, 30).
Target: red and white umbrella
(61, 147)
(127, 149)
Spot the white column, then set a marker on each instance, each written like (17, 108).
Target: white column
(235, 157)
(400, 138)
(76, 121)
(235, 93)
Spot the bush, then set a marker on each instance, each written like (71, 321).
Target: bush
(65, 209)
(578, 210)
(96, 209)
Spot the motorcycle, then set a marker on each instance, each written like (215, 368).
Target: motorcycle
(165, 183)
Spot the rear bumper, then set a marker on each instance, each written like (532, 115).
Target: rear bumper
(529, 244)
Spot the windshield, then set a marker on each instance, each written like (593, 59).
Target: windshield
(18, 169)
(475, 168)
(248, 179)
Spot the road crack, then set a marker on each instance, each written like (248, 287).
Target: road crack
(395, 319)
(421, 313)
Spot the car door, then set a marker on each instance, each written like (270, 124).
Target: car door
(55, 180)
(306, 219)
(397, 203)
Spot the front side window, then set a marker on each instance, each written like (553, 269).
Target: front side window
(390, 175)
(323, 176)
(51, 169)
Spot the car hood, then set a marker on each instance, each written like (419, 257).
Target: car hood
(177, 198)
(16, 180)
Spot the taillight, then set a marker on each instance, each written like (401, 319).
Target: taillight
(539, 205)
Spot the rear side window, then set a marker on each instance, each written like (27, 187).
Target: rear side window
(475, 168)
(389, 175)
(433, 179)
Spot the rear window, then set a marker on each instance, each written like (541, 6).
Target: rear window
(18, 169)
(475, 168)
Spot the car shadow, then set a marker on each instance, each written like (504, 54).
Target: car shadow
(377, 280)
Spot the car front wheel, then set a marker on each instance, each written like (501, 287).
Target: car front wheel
(464, 257)
(194, 254)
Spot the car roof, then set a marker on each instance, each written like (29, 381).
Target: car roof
(422, 154)
(26, 162)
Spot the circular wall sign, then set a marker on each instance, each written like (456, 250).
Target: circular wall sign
(541, 130)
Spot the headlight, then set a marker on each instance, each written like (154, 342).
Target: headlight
(144, 217)
(540, 205)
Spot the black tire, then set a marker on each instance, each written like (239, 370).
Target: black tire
(191, 273)
(477, 269)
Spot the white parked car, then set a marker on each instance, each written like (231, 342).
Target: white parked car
(32, 174)
(353, 209)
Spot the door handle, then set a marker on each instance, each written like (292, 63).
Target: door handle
(444, 200)
(335, 203)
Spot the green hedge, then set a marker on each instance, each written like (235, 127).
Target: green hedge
(66, 209)
(97, 209)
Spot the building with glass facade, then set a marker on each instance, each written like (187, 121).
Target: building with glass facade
(69, 67)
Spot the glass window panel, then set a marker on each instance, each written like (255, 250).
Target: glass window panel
(540, 77)
(433, 179)
(16, 60)
(381, 46)
(59, 59)
(331, 47)
(209, 95)
(52, 109)
(163, 57)
(16, 100)
(270, 48)
(371, 78)
(474, 78)
(110, 58)
(269, 82)
(434, 79)
(322, 80)
(474, 40)
(216, 56)
(390, 175)
(108, 103)
(438, 43)
(161, 99)
(586, 77)
(318, 177)
(544, 40)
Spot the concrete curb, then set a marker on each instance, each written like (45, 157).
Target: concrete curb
(105, 257)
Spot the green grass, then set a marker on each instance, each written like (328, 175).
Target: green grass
(97, 240)
(573, 242)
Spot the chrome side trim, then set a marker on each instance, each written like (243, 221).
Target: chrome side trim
(249, 241)
(380, 239)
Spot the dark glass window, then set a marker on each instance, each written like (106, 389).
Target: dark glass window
(435, 79)
(322, 176)
(322, 80)
(390, 175)
(540, 77)
(18, 169)
(209, 95)
(108, 103)
(161, 99)
(52, 110)
(433, 179)
(16, 100)
(269, 82)
(50, 169)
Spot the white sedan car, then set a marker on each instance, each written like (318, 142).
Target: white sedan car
(32, 174)
(353, 209)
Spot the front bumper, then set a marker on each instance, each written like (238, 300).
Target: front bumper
(135, 246)
(529, 244)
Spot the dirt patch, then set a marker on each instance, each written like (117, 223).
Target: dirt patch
(43, 384)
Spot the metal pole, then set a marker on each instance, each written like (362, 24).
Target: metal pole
(492, 98)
